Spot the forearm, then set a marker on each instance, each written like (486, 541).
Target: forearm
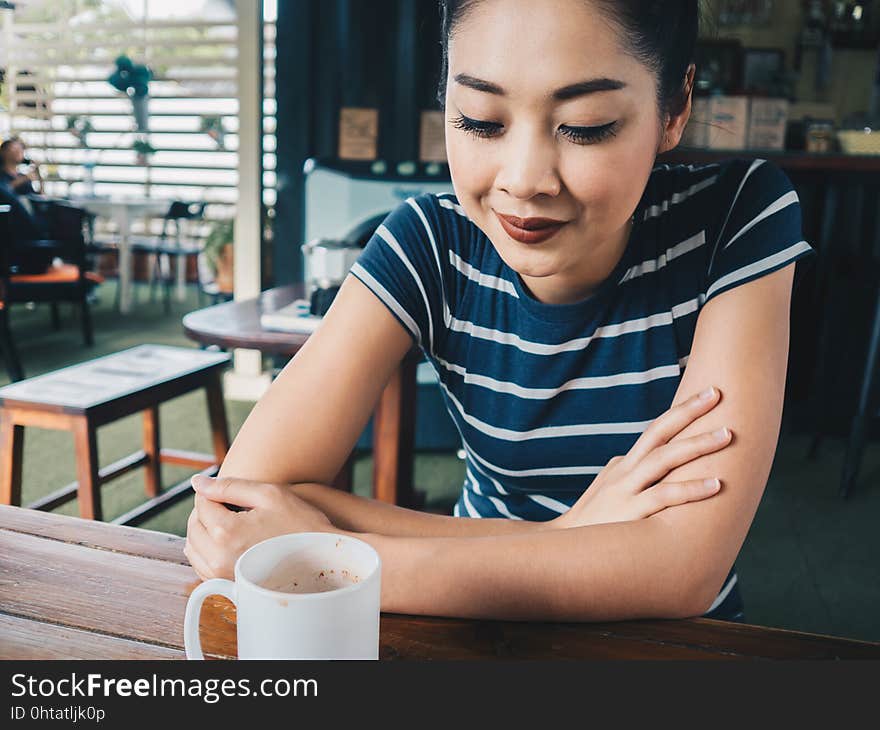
(606, 572)
(359, 514)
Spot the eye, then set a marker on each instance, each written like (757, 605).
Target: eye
(590, 135)
(478, 129)
(578, 135)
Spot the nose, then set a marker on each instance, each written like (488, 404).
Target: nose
(528, 167)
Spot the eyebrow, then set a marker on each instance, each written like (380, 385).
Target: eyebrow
(581, 88)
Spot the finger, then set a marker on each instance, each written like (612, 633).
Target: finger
(664, 459)
(197, 542)
(210, 554)
(670, 423)
(197, 535)
(238, 492)
(670, 494)
(198, 563)
(217, 521)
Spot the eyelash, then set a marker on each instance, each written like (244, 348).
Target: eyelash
(578, 135)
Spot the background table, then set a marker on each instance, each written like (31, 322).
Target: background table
(237, 324)
(76, 589)
(124, 211)
(81, 398)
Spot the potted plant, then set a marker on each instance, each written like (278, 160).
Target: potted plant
(143, 149)
(133, 80)
(218, 253)
(80, 127)
(212, 125)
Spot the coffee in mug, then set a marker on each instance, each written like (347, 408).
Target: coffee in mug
(312, 595)
(294, 575)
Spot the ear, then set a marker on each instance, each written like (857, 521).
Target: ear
(674, 126)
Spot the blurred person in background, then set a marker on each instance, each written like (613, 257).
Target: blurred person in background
(12, 157)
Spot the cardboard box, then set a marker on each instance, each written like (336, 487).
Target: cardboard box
(432, 136)
(696, 133)
(729, 122)
(358, 133)
(767, 122)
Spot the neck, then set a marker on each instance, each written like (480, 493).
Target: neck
(580, 282)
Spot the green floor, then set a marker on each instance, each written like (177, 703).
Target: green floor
(811, 561)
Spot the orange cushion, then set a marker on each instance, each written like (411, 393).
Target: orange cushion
(62, 274)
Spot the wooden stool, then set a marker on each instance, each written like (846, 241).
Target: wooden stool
(83, 397)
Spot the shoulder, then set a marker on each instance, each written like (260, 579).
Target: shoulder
(715, 197)
(719, 182)
(760, 175)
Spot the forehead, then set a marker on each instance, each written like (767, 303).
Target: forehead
(535, 45)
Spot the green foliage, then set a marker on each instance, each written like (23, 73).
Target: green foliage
(130, 78)
(222, 232)
(211, 122)
(80, 127)
(142, 147)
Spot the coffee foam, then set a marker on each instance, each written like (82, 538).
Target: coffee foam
(296, 574)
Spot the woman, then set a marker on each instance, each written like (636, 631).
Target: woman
(11, 157)
(575, 300)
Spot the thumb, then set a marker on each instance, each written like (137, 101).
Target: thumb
(239, 492)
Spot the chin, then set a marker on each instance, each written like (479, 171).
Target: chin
(526, 260)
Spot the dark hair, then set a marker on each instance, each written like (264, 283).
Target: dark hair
(9, 141)
(661, 34)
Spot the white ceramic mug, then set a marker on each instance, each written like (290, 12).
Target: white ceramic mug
(333, 624)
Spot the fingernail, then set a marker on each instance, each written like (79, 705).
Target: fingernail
(713, 484)
(200, 481)
(721, 434)
(707, 394)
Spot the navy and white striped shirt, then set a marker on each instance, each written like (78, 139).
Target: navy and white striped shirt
(542, 394)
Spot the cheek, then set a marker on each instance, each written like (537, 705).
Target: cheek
(472, 178)
(608, 183)
(469, 169)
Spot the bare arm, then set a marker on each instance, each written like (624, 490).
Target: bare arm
(305, 426)
(275, 447)
(670, 565)
(358, 514)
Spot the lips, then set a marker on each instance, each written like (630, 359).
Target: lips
(529, 230)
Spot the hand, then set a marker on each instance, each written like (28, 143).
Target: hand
(24, 177)
(630, 487)
(216, 536)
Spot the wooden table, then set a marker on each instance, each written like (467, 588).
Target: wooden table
(81, 398)
(237, 324)
(76, 589)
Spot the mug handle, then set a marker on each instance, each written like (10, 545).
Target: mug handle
(216, 586)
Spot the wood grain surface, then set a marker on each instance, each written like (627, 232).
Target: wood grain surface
(77, 589)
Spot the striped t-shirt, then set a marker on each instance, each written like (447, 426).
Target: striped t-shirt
(544, 395)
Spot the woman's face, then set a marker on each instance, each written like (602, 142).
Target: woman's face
(582, 158)
(14, 153)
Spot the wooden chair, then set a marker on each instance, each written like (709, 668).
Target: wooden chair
(68, 281)
(7, 345)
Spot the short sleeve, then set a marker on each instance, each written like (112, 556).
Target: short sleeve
(401, 266)
(761, 229)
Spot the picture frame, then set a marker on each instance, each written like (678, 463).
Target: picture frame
(762, 68)
(719, 67)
